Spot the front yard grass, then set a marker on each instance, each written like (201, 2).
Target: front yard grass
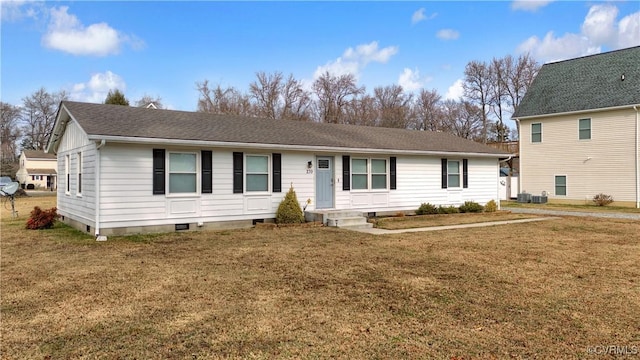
(551, 289)
(418, 221)
(587, 207)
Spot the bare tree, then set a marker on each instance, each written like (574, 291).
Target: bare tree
(497, 96)
(518, 77)
(428, 111)
(393, 106)
(477, 85)
(361, 111)
(147, 101)
(9, 132)
(296, 101)
(39, 116)
(463, 119)
(334, 93)
(222, 101)
(266, 93)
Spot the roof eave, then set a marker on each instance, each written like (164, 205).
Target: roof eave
(265, 146)
(577, 112)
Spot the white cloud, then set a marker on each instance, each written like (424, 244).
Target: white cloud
(598, 30)
(419, 15)
(353, 60)
(599, 25)
(447, 34)
(16, 10)
(529, 5)
(410, 80)
(455, 91)
(96, 89)
(66, 33)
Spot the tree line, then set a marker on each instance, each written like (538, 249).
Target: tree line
(492, 91)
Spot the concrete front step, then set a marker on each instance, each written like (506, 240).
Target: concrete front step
(347, 221)
(357, 227)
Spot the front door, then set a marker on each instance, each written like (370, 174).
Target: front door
(324, 182)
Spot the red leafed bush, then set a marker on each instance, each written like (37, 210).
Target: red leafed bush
(42, 219)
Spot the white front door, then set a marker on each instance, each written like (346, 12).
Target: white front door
(324, 182)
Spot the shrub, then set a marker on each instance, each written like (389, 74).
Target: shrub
(602, 199)
(491, 206)
(42, 219)
(426, 209)
(471, 207)
(448, 210)
(289, 210)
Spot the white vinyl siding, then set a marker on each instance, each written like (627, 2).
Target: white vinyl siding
(584, 129)
(604, 164)
(183, 173)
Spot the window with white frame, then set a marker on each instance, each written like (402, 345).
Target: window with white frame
(453, 173)
(182, 173)
(584, 129)
(359, 174)
(561, 185)
(67, 175)
(257, 173)
(79, 174)
(378, 173)
(536, 132)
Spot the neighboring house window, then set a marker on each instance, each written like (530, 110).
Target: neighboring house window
(79, 173)
(182, 173)
(561, 185)
(453, 171)
(257, 173)
(359, 174)
(378, 174)
(536, 132)
(584, 129)
(66, 172)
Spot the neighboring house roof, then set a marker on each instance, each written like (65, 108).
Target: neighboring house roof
(42, 171)
(132, 124)
(599, 81)
(38, 154)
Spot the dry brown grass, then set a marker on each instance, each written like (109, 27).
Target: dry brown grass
(547, 290)
(418, 221)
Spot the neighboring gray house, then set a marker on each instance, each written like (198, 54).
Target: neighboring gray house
(580, 129)
(126, 169)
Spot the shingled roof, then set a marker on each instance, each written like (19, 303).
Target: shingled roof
(599, 81)
(132, 123)
(38, 154)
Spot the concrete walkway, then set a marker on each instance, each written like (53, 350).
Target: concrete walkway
(377, 231)
(608, 215)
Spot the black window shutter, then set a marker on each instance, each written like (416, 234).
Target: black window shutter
(346, 173)
(392, 173)
(237, 173)
(158, 172)
(207, 171)
(444, 173)
(465, 178)
(277, 173)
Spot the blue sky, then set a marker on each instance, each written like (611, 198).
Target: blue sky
(162, 48)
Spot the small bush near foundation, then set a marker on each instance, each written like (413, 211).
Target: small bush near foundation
(491, 206)
(471, 207)
(448, 209)
(289, 210)
(427, 209)
(602, 199)
(42, 219)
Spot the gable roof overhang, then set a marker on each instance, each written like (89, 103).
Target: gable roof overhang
(62, 118)
(578, 112)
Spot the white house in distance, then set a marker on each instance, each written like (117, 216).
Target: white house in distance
(37, 170)
(127, 169)
(580, 129)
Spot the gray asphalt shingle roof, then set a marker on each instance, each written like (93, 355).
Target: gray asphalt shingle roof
(132, 122)
(38, 154)
(590, 82)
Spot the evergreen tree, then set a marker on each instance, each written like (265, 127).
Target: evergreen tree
(116, 97)
(289, 211)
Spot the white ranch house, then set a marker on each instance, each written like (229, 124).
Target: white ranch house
(127, 170)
